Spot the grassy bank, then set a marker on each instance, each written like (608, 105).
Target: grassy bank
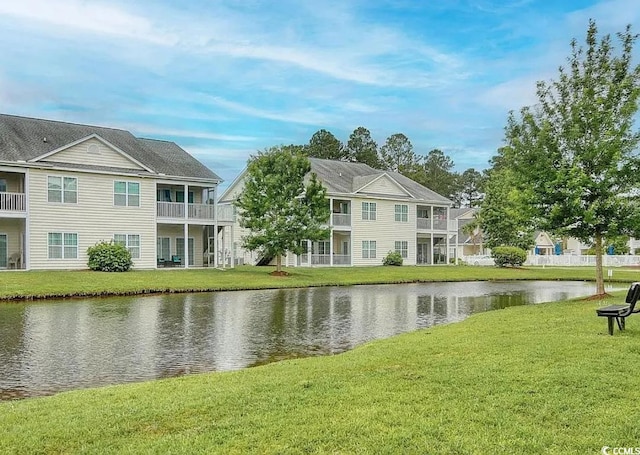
(531, 379)
(39, 284)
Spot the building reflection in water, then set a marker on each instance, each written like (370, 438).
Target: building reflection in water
(51, 346)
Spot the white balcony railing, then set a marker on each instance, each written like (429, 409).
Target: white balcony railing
(424, 223)
(225, 213)
(176, 210)
(170, 210)
(202, 212)
(342, 219)
(12, 202)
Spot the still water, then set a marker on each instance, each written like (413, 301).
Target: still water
(48, 347)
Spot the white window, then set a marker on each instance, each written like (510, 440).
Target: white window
(3, 185)
(402, 247)
(126, 193)
(368, 249)
(321, 247)
(402, 213)
(369, 211)
(62, 189)
(129, 241)
(63, 245)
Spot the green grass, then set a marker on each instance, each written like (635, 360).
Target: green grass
(39, 284)
(527, 380)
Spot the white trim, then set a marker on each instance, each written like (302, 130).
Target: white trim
(62, 201)
(394, 181)
(113, 194)
(98, 138)
(126, 242)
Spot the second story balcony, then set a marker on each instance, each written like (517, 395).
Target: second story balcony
(177, 210)
(203, 212)
(12, 202)
(341, 219)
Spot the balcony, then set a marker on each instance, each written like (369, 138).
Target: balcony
(341, 219)
(437, 224)
(177, 210)
(12, 202)
(424, 223)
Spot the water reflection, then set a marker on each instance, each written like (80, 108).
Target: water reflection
(53, 346)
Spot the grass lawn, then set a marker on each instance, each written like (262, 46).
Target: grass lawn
(37, 284)
(531, 379)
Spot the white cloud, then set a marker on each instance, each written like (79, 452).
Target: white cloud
(89, 16)
(303, 116)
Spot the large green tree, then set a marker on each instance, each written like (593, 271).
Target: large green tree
(437, 173)
(282, 204)
(469, 188)
(575, 152)
(504, 217)
(323, 144)
(397, 155)
(362, 148)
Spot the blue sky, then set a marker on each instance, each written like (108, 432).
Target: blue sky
(224, 79)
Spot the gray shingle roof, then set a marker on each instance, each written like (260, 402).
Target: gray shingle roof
(23, 139)
(346, 177)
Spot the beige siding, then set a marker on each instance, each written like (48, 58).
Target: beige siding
(95, 152)
(384, 230)
(233, 192)
(383, 185)
(93, 218)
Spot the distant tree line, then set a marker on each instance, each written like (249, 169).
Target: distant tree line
(433, 170)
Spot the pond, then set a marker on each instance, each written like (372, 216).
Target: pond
(48, 347)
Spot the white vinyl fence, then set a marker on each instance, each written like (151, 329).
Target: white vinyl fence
(574, 260)
(565, 260)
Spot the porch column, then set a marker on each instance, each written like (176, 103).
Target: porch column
(430, 218)
(186, 245)
(447, 256)
(224, 262)
(215, 227)
(186, 202)
(233, 250)
(309, 253)
(331, 249)
(26, 264)
(431, 251)
(331, 212)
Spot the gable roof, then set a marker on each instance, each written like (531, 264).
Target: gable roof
(347, 177)
(25, 138)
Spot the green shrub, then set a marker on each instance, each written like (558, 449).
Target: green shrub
(109, 257)
(392, 258)
(508, 255)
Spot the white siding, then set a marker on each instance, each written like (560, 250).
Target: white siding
(81, 154)
(383, 185)
(93, 218)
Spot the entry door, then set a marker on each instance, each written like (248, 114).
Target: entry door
(3, 251)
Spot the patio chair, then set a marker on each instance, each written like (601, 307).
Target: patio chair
(14, 261)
